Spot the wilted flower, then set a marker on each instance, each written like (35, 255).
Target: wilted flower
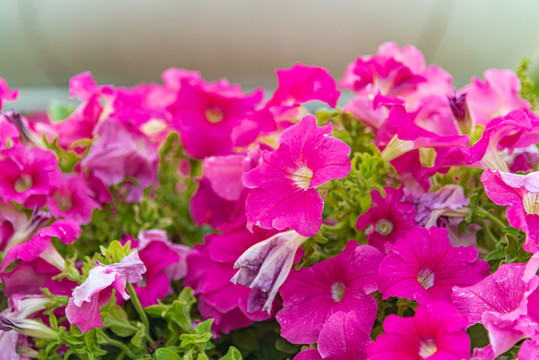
(265, 266)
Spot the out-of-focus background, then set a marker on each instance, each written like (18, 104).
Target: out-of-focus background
(124, 42)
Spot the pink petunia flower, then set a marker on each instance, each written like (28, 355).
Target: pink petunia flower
(207, 114)
(388, 220)
(265, 266)
(521, 195)
(505, 302)
(27, 175)
(436, 331)
(283, 190)
(122, 151)
(494, 97)
(342, 283)
(424, 267)
(84, 306)
(6, 93)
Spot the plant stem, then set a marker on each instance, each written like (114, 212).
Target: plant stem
(120, 345)
(140, 310)
(491, 217)
(489, 233)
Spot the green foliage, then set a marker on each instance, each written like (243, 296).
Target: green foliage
(527, 87)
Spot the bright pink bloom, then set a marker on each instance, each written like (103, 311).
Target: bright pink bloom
(80, 124)
(8, 130)
(157, 253)
(505, 302)
(283, 190)
(96, 291)
(27, 175)
(424, 267)
(388, 220)
(71, 198)
(342, 283)
(207, 114)
(436, 331)
(301, 83)
(496, 96)
(210, 270)
(6, 93)
(123, 151)
(521, 195)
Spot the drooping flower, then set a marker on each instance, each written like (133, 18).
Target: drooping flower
(388, 220)
(283, 190)
(265, 266)
(436, 331)
(84, 306)
(521, 195)
(122, 151)
(424, 267)
(210, 270)
(342, 283)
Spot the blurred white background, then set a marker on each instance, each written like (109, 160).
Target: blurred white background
(44, 43)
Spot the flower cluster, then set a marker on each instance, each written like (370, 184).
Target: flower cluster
(177, 220)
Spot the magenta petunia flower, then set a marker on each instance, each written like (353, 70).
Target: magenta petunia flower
(283, 190)
(71, 198)
(342, 283)
(436, 331)
(521, 195)
(496, 96)
(6, 93)
(505, 302)
(84, 306)
(388, 220)
(211, 266)
(27, 175)
(424, 267)
(206, 115)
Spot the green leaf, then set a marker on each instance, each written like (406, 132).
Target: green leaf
(232, 354)
(139, 335)
(117, 320)
(166, 354)
(59, 111)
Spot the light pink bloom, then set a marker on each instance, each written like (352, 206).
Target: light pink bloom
(520, 193)
(436, 331)
(265, 266)
(84, 306)
(122, 151)
(424, 267)
(388, 220)
(494, 97)
(283, 190)
(342, 283)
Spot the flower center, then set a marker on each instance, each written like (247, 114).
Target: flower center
(23, 183)
(384, 227)
(214, 115)
(337, 291)
(531, 203)
(302, 177)
(64, 202)
(427, 348)
(425, 278)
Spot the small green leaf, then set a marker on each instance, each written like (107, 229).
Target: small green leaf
(232, 354)
(166, 354)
